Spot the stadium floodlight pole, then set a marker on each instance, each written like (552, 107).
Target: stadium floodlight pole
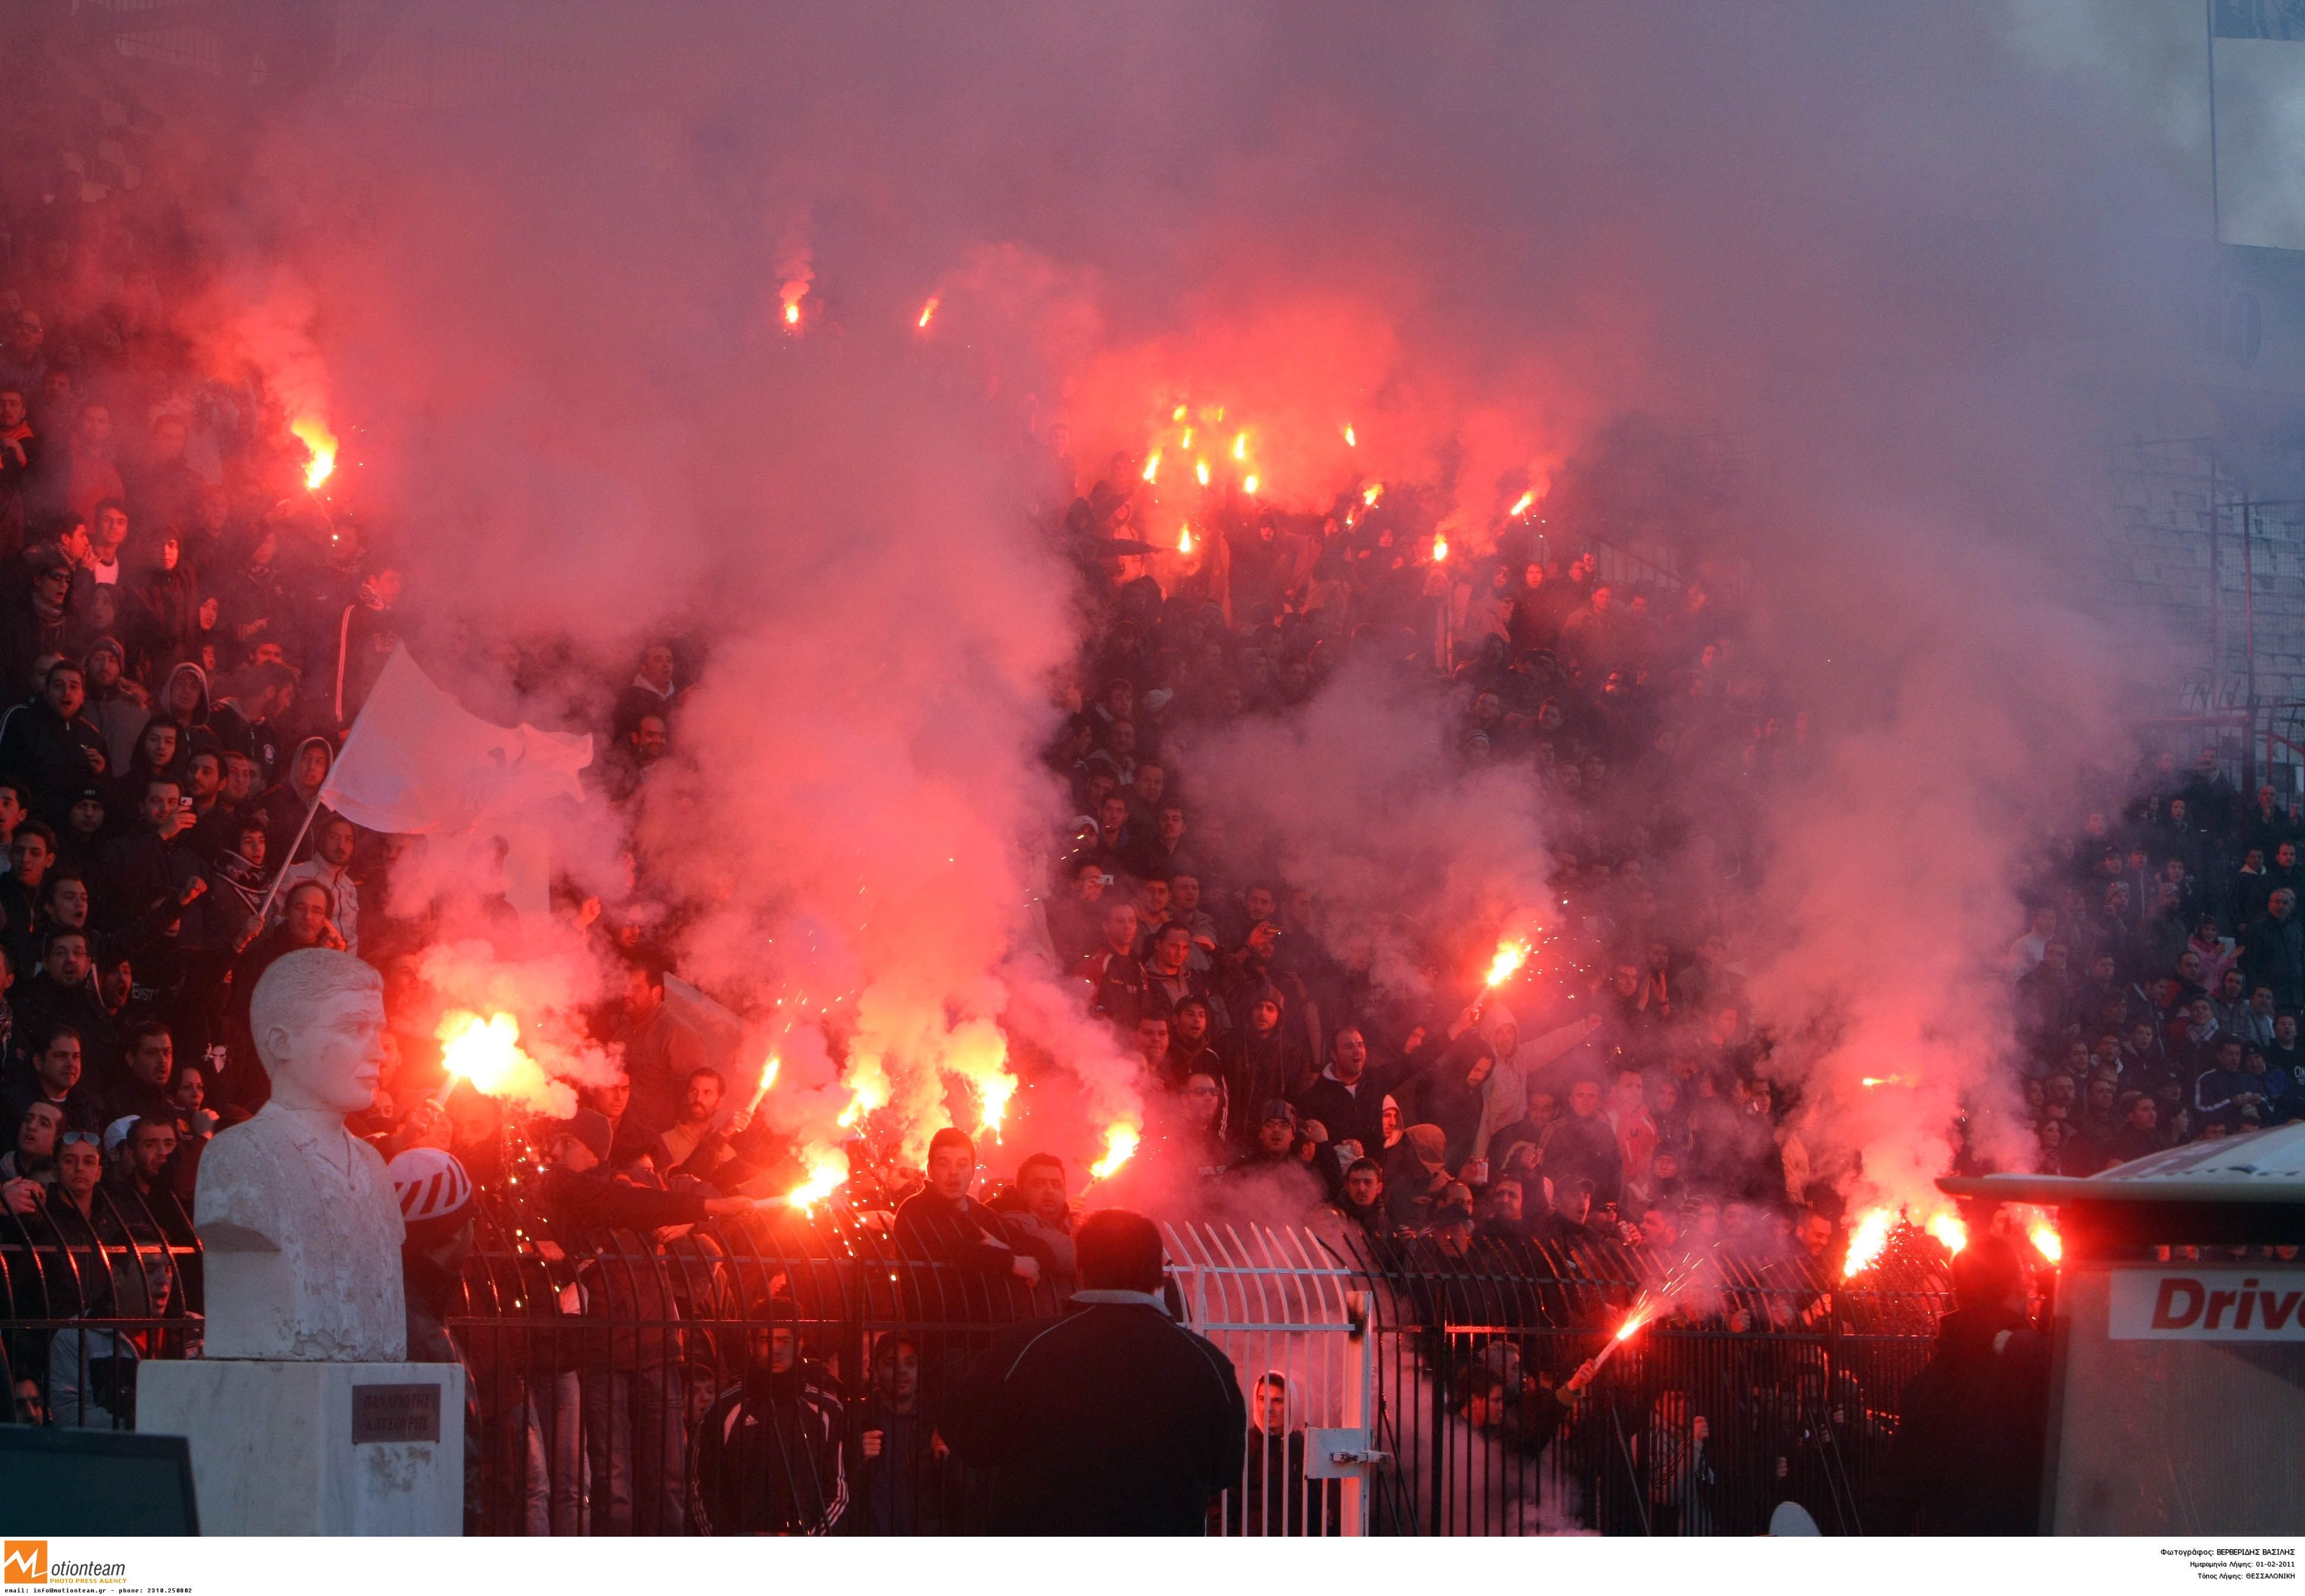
(2217, 213)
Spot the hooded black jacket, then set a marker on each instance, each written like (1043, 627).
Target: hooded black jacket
(1967, 1459)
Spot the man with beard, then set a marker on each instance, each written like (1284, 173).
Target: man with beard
(662, 1051)
(61, 996)
(691, 1144)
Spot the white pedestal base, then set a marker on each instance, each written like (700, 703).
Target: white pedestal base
(273, 1451)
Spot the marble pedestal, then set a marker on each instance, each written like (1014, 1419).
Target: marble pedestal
(313, 1448)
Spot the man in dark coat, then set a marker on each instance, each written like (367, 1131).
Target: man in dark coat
(1346, 1098)
(2276, 950)
(1968, 1454)
(767, 1455)
(1582, 1145)
(49, 744)
(941, 1223)
(1113, 1419)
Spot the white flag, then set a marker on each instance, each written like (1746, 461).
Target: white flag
(416, 761)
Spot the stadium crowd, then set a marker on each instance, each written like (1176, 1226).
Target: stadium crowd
(185, 635)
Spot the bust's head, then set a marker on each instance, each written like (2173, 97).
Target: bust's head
(318, 1016)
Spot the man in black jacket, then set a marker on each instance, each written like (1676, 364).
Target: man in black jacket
(2274, 950)
(1113, 1419)
(767, 1455)
(1346, 1098)
(49, 743)
(1967, 1457)
(941, 1223)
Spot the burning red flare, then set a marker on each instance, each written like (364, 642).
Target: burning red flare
(1521, 504)
(1120, 1140)
(1866, 1239)
(928, 311)
(767, 1079)
(827, 1168)
(484, 1053)
(321, 444)
(1184, 539)
(1511, 956)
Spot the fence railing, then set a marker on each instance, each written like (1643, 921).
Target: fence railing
(88, 1294)
(606, 1380)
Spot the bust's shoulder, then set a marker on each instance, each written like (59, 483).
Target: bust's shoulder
(247, 1140)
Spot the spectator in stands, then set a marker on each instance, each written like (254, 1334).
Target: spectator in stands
(902, 1479)
(941, 1223)
(770, 1457)
(1041, 1225)
(661, 1050)
(330, 869)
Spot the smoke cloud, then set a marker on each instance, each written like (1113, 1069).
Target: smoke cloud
(1886, 256)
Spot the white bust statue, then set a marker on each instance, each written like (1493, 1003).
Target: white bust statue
(296, 1215)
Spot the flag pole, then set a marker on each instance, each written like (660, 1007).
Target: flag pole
(334, 757)
(282, 873)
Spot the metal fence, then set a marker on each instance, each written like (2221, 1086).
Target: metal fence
(88, 1294)
(784, 1373)
(1762, 1381)
(1393, 1388)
